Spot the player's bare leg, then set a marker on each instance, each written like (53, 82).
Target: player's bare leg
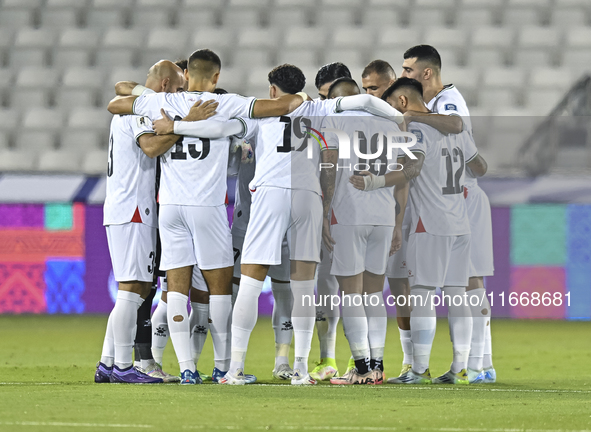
(244, 318)
(179, 284)
(400, 288)
(377, 321)
(355, 323)
(479, 354)
(302, 317)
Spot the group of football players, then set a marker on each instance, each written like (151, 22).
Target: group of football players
(333, 195)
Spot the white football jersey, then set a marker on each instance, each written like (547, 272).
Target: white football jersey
(287, 154)
(242, 198)
(351, 206)
(131, 175)
(450, 101)
(436, 197)
(194, 170)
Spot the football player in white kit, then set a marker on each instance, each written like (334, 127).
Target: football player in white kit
(439, 242)
(361, 229)
(193, 222)
(377, 76)
(423, 63)
(130, 219)
(286, 200)
(327, 318)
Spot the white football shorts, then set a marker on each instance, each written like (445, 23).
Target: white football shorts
(279, 272)
(481, 249)
(359, 248)
(438, 261)
(396, 267)
(132, 247)
(276, 213)
(194, 235)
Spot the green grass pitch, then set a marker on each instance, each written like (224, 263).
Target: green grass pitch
(47, 365)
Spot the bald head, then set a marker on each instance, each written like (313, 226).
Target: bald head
(343, 87)
(165, 76)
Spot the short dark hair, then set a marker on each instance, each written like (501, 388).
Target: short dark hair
(204, 62)
(182, 64)
(379, 67)
(330, 72)
(289, 78)
(409, 83)
(220, 91)
(340, 81)
(425, 53)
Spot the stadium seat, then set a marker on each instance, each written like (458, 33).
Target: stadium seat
(340, 3)
(487, 57)
(577, 58)
(116, 57)
(80, 141)
(578, 37)
(446, 37)
(392, 55)
(249, 3)
(232, 79)
(425, 18)
(305, 37)
(248, 57)
(42, 119)
(463, 78)
(126, 74)
(241, 18)
(166, 38)
(59, 161)
(65, 3)
(202, 4)
(396, 4)
(4, 141)
(352, 37)
(568, 17)
(551, 78)
(63, 57)
(79, 38)
(124, 38)
(381, 17)
(35, 38)
(78, 77)
(75, 97)
(494, 37)
(298, 56)
(329, 17)
(257, 76)
(394, 37)
(468, 18)
(112, 4)
(95, 162)
(89, 119)
(16, 160)
(277, 17)
(351, 57)
(59, 17)
(258, 38)
(34, 142)
(258, 91)
(16, 18)
(32, 77)
(520, 16)
(22, 98)
(22, 57)
(541, 101)
(216, 39)
(195, 18)
(151, 17)
(105, 18)
(22, 3)
(152, 3)
(9, 119)
(296, 3)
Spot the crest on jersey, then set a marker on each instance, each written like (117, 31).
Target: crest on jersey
(141, 121)
(418, 134)
(450, 107)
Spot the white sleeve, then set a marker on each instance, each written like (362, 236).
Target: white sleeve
(234, 105)
(149, 105)
(420, 146)
(470, 150)
(212, 129)
(371, 104)
(140, 126)
(448, 106)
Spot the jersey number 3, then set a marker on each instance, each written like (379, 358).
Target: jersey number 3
(179, 153)
(453, 180)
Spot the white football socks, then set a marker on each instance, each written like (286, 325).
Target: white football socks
(460, 325)
(327, 319)
(124, 316)
(423, 322)
(302, 317)
(406, 344)
(178, 326)
(377, 324)
(220, 310)
(356, 328)
(487, 357)
(108, 354)
(282, 326)
(159, 332)
(198, 325)
(244, 318)
(480, 320)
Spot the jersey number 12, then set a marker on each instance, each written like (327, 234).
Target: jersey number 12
(453, 180)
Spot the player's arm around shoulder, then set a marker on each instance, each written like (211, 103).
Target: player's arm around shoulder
(477, 165)
(280, 106)
(446, 124)
(121, 105)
